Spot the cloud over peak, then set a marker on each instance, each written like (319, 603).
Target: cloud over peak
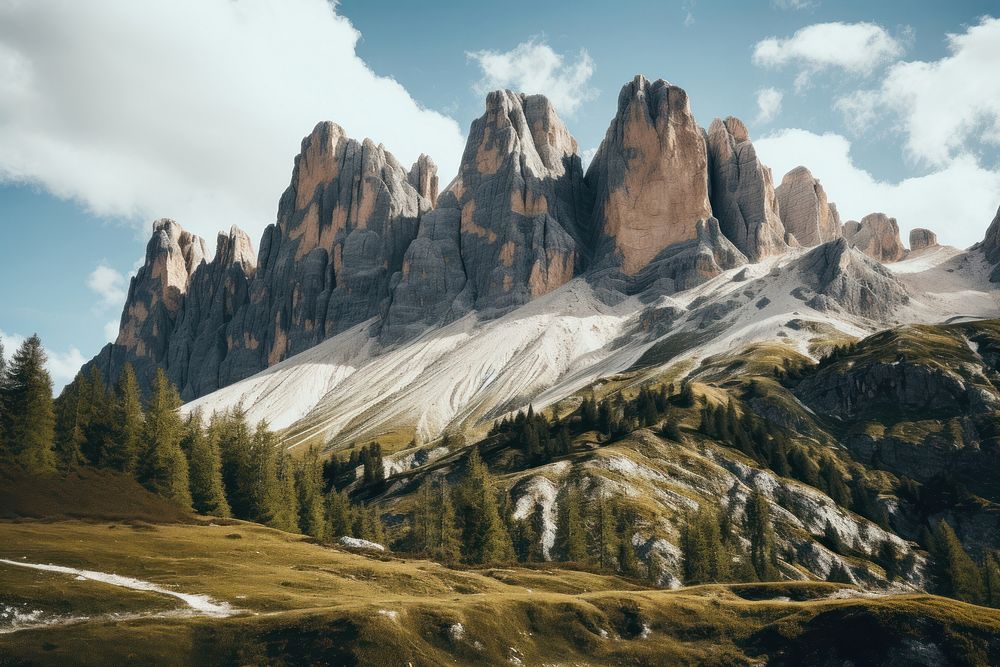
(533, 67)
(180, 108)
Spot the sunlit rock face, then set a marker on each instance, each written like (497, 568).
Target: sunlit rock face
(512, 226)
(805, 212)
(877, 235)
(649, 177)
(742, 191)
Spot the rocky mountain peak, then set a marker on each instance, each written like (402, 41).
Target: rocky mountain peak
(921, 239)
(877, 235)
(235, 248)
(742, 191)
(844, 278)
(649, 176)
(805, 212)
(424, 178)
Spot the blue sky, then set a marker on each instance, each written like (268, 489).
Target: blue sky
(114, 114)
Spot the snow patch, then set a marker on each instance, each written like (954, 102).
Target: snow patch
(200, 603)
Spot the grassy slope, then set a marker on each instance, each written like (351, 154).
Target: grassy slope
(307, 603)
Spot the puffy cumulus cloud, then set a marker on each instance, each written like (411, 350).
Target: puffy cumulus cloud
(944, 105)
(957, 201)
(533, 67)
(191, 109)
(111, 330)
(587, 156)
(62, 366)
(857, 48)
(768, 104)
(108, 284)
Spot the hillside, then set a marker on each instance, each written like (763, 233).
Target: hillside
(296, 602)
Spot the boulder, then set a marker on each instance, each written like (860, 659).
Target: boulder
(805, 212)
(742, 192)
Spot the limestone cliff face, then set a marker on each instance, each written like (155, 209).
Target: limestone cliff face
(178, 307)
(344, 224)
(805, 211)
(649, 177)
(877, 235)
(742, 192)
(511, 227)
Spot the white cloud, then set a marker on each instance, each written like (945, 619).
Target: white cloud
(192, 109)
(111, 330)
(957, 201)
(533, 67)
(62, 366)
(942, 105)
(859, 109)
(857, 48)
(768, 104)
(109, 285)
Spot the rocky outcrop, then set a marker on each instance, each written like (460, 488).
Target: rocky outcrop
(921, 239)
(344, 224)
(805, 212)
(990, 247)
(512, 226)
(841, 277)
(649, 177)
(178, 307)
(877, 235)
(742, 193)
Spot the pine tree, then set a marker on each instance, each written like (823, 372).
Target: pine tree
(839, 574)
(98, 430)
(888, 558)
(484, 533)
(762, 553)
(958, 576)
(309, 484)
(422, 521)
(571, 530)
(706, 559)
(628, 562)
(126, 439)
(164, 468)
(339, 522)
(448, 549)
(204, 468)
(31, 416)
(235, 441)
(832, 482)
(832, 538)
(275, 496)
(69, 429)
(604, 542)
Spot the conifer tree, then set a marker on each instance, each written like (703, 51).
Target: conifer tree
(484, 533)
(888, 558)
(126, 438)
(204, 468)
(448, 548)
(628, 562)
(99, 419)
(235, 442)
(31, 416)
(339, 522)
(571, 530)
(839, 574)
(164, 468)
(958, 576)
(604, 542)
(762, 552)
(287, 510)
(309, 484)
(69, 430)
(832, 482)
(705, 557)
